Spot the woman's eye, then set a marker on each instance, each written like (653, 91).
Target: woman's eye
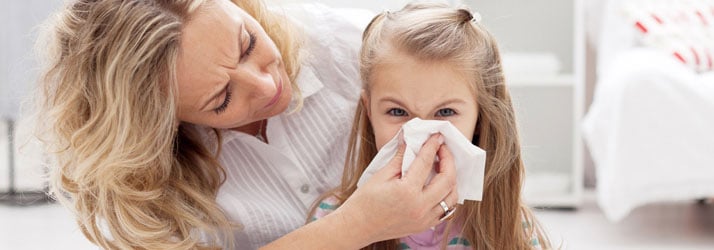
(220, 109)
(397, 112)
(445, 112)
(250, 46)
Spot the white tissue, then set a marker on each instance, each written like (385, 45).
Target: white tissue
(469, 159)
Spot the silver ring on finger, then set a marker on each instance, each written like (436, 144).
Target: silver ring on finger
(444, 206)
(448, 214)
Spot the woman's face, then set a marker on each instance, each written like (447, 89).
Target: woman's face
(230, 73)
(403, 88)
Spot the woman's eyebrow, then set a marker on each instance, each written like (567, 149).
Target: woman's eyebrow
(240, 43)
(219, 91)
(230, 58)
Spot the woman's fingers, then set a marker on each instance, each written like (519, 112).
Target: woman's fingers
(424, 161)
(439, 213)
(444, 182)
(397, 207)
(449, 203)
(394, 167)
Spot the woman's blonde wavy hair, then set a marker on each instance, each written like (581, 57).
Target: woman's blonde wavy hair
(135, 177)
(436, 32)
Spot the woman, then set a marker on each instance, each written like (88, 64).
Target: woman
(170, 127)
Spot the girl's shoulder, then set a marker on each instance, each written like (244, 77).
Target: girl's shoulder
(325, 207)
(532, 229)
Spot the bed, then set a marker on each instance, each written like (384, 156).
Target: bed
(650, 127)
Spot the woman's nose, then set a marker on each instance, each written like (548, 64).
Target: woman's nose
(259, 81)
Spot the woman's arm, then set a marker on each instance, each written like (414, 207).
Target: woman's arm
(337, 230)
(388, 206)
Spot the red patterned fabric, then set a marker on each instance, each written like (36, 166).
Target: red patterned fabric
(682, 28)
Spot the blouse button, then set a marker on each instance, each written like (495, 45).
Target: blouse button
(304, 188)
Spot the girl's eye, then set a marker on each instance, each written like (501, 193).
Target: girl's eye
(445, 112)
(397, 112)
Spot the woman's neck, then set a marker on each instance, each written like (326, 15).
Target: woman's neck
(256, 128)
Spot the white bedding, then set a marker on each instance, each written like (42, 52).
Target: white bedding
(650, 130)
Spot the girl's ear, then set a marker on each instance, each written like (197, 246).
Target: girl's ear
(365, 103)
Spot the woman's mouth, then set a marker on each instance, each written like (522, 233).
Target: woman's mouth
(277, 94)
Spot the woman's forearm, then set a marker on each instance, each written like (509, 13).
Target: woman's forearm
(338, 230)
(386, 207)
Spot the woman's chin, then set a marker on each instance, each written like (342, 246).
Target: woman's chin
(281, 106)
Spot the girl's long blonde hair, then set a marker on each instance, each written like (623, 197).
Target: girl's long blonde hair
(435, 32)
(134, 176)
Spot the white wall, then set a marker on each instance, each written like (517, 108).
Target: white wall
(18, 68)
(518, 25)
(374, 5)
(530, 25)
(18, 74)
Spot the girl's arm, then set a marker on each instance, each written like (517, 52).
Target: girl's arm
(386, 207)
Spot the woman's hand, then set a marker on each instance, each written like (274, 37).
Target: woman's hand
(390, 206)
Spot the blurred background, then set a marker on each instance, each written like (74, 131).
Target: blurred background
(614, 99)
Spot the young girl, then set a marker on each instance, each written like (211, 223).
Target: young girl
(434, 62)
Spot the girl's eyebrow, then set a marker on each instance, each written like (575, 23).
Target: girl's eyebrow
(444, 103)
(452, 101)
(391, 99)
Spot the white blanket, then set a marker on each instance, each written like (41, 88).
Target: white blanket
(650, 131)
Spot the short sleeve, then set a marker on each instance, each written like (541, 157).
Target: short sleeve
(534, 242)
(325, 207)
(333, 37)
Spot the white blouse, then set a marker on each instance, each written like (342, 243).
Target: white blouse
(270, 187)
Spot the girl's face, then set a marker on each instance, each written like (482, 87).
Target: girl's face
(403, 88)
(230, 73)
